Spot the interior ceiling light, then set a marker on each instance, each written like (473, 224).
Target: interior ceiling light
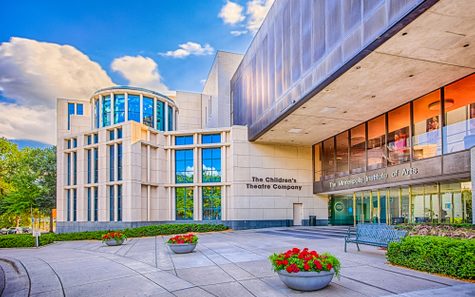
(436, 104)
(295, 130)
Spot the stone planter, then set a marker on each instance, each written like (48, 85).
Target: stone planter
(182, 248)
(113, 242)
(306, 281)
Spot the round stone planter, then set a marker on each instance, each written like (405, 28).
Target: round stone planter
(113, 242)
(182, 248)
(306, 281)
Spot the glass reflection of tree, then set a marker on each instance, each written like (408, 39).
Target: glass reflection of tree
(212, 203)
(184, 203)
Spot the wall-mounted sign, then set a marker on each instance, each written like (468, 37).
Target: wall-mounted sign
(367, 179)
(339, 206)
(278, 183)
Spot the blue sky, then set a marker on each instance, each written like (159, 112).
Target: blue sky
(52, 49)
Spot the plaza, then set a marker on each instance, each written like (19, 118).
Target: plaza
(230, 264)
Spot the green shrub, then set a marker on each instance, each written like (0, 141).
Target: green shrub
(27, 240)
(444, 255)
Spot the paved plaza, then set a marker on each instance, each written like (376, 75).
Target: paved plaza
(224, 264)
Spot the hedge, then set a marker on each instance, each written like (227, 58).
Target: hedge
(443, 255)
(27, 240)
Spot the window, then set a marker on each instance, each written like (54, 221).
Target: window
(96, 165)
(211, 165)
(111, 162)
(119, 133)
(96, 204)
(329, 158)
(317, 167)
(426, 139)
(184, 203)
(170, 118)
(96, 113)
(111, 203)
(68, 169)
(376, 143)
(96, 138)
(88, 204)
(184, 166)
(211, 203)
(68, 205)
(184, 140)
(119, 108)
(148, 111)
(89, 140)
(398, 135)
(342, 154)
(75, 205)
(75, 168)
(119, 161)
(134, 108)
(357, 149)
(459, 127)
(210, 138)
(68, 143)
(119, 203)
(75, 142)
(79, 109)
(111, 134)
(88, 165)
(160, 115)
(106, 111)
(70, 113)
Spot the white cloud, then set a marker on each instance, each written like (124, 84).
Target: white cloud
(33, 74)
(231, 13)
(257, 11)
(190, 48)
(238, 32)
(202, 81)
(139, 71)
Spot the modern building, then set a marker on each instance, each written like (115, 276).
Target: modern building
(349, 111)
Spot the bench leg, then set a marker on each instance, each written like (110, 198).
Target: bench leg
(358, 246)
(345, 246)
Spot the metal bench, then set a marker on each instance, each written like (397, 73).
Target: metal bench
(374, 234)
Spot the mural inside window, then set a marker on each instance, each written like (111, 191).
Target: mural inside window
(184, 203)
(211, 165)
(134, 107)
(184, 166)
(357, 149)
(106, 111)
(426, 138)
(399, 150)
(148, 111)
(119, 108)
(377, 143)
(211, 203)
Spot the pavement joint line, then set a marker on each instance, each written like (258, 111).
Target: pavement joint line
(409, 275)
(28, 275)
(155, 250)
(368, 284)
(134, 242)
(239, 282)
(124, 247)
(55, 273)
(348, 288)
(170, 257)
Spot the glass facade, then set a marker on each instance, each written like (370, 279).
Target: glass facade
(96, 204)
(75, 168)
(184, 166)
(68, 205)
(75, 205)
(96, 165)
(211, 166)
(106, 111)
(184, 140)
(134, 108)
(111, 163)
(111, 204)
(446, 202)
(119, 203)
(70, 112)
(88, 165)
(119, 161)
(88, 204)
(148, 110)
(79, 109)
(160, 110)
(170, 118)
(408, 133)
(211, 203)
(184, 203)
(97, 121)
(68, 169)
(210, 138)
(119, 108)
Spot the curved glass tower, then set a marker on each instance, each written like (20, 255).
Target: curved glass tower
(119, 104)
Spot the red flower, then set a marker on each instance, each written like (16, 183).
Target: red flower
(329, 266)
(285, 262)
(306, 266)
(318, 265)
(295, 251)
(289, 269)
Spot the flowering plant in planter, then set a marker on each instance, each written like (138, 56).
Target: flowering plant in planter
(296, 260)
(183, 239)
(117, 236)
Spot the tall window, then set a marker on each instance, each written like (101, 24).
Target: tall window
(75, 168)
(170, 118)
(96, 113)
(68, 205)
(119, 108)
(426, 140)
(399, 149)
(459, 127)
(211, 203)
(88, 204)
(88, 166)
(96, 165)
(184, 166)
(184, 140)
(160, 109)
(111, 203)
(96, 204)
(119, 161)
(317, 158)
(357, 149)
(111, 162)
(148, 111)
(68, 169)
(211, 165)
(210, 138)
(106, 111)
(342, 154)
(75, 205)
(329, 158)
(376, 143)
(119, 203)
(79, 109)
(70, 113)
(184, 203)
(134, 108)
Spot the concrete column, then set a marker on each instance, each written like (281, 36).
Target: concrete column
(472, 174)
(155, 113)
(112, 108)
(166, 116)
(100, 111)
(141, 108)
(126, 98)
